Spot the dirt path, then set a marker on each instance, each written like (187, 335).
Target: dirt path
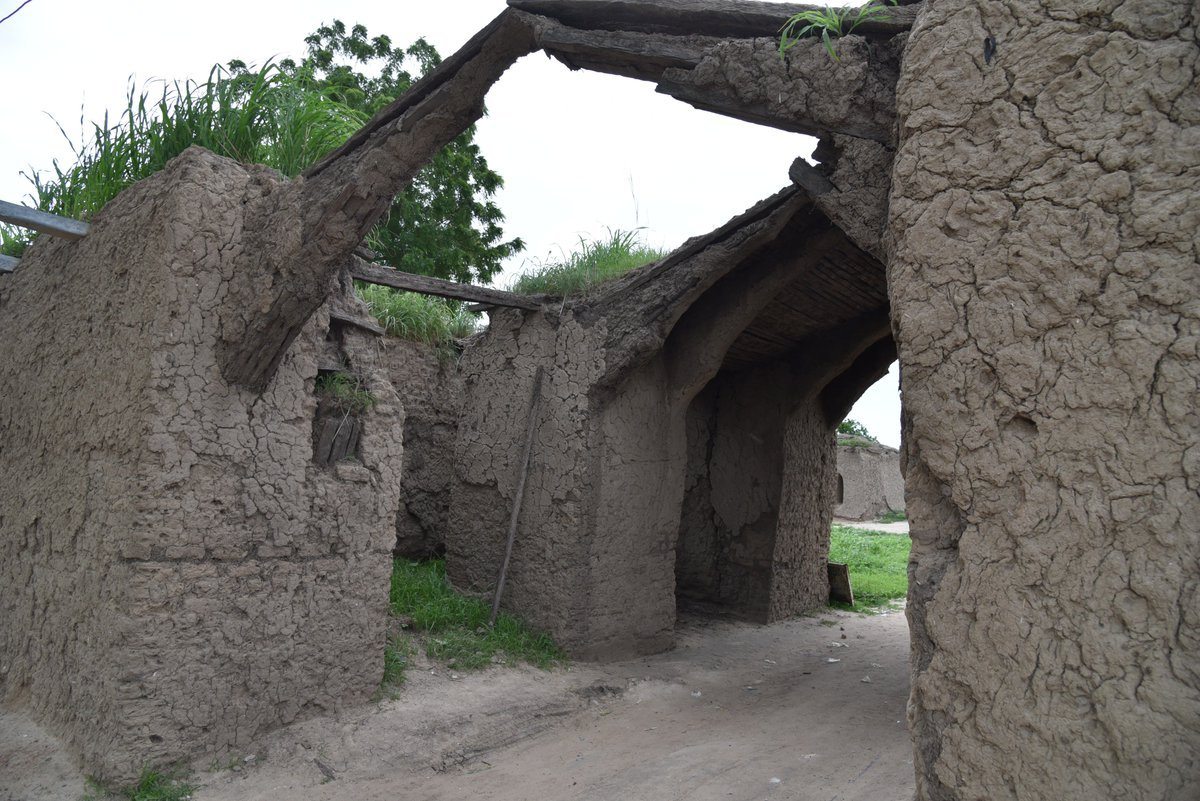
(899, 527)
(735, 712)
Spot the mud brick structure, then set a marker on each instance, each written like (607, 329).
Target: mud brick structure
(1006, 200)
(868, 479)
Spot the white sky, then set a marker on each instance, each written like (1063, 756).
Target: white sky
(579, 152)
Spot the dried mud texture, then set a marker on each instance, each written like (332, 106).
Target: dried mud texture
(1044, 279)
(869, 480)
(431, 390)
(176, 575)
(594, 561)
(808, 92)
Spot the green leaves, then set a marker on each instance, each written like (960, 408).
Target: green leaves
(829, 24)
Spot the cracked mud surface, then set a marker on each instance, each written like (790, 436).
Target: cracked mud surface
(680, 725)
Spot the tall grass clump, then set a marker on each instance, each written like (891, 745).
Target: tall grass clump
(266, 116)
(288, 115)
(455, 628)
(420, 318)
(589, 265)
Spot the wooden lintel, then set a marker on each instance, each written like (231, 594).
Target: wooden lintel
(357, 322)
(8, 264)
(423, 284)
(727, 19)
(42, 222)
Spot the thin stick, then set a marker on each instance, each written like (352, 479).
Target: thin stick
(18, 8)
(530, 427)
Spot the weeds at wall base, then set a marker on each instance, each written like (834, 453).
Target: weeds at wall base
(151, 786)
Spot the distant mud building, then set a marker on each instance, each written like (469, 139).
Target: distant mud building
(869, 483)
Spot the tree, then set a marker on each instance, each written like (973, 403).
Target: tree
(443, 224)
(288, 116)
(853, 428)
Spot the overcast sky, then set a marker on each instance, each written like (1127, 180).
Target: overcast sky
(579, 152)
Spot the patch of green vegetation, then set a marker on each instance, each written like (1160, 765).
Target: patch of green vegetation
(151, 786)
(853, 428)
(893, 516)
(828, 23)
(591, 264)
(878, 565)
(420, 318)
(344, 393)
(454, 628)
(397, 655)
(288, 115)
(854, 442)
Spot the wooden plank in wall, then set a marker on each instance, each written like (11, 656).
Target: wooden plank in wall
(40, 221)
(423, 284)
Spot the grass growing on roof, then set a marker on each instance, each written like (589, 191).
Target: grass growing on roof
(454, 627)
(878, 564)
(589, 265)
(264, 116)
(420, 318)
(829, 23)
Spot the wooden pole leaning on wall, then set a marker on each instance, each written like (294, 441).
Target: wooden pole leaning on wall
(518, 496)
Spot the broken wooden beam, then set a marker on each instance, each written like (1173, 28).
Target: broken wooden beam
(42, 222)
(357, 322)
(810, 179)
(722, 18)
(425, 285)
(8, 264)
(645, 56)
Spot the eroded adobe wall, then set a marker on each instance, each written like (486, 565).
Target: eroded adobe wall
(1044, 280)
(177, 574)
(593, 561)
(870, 478)
(758, 476)
(548, 577)
(431, 390)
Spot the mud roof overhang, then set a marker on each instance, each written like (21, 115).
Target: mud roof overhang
(682, 46)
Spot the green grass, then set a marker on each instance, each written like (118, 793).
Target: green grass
(453, 627)
(151, 786)
(345, 393)
(591, 264)
(878, 565)
(420, 318)
(828, 24)
(265, 116)
(893, 517)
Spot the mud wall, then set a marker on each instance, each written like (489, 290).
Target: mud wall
(431, 390)
(753, 521)
(554, 573)
(1043, 276)
(869, 478)
(176, 575)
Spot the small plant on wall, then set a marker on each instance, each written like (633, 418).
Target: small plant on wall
(342, 400)
(828, 23)
(344, 393)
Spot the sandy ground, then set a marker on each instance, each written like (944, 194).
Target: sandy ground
(806, 709)
(900, 527)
